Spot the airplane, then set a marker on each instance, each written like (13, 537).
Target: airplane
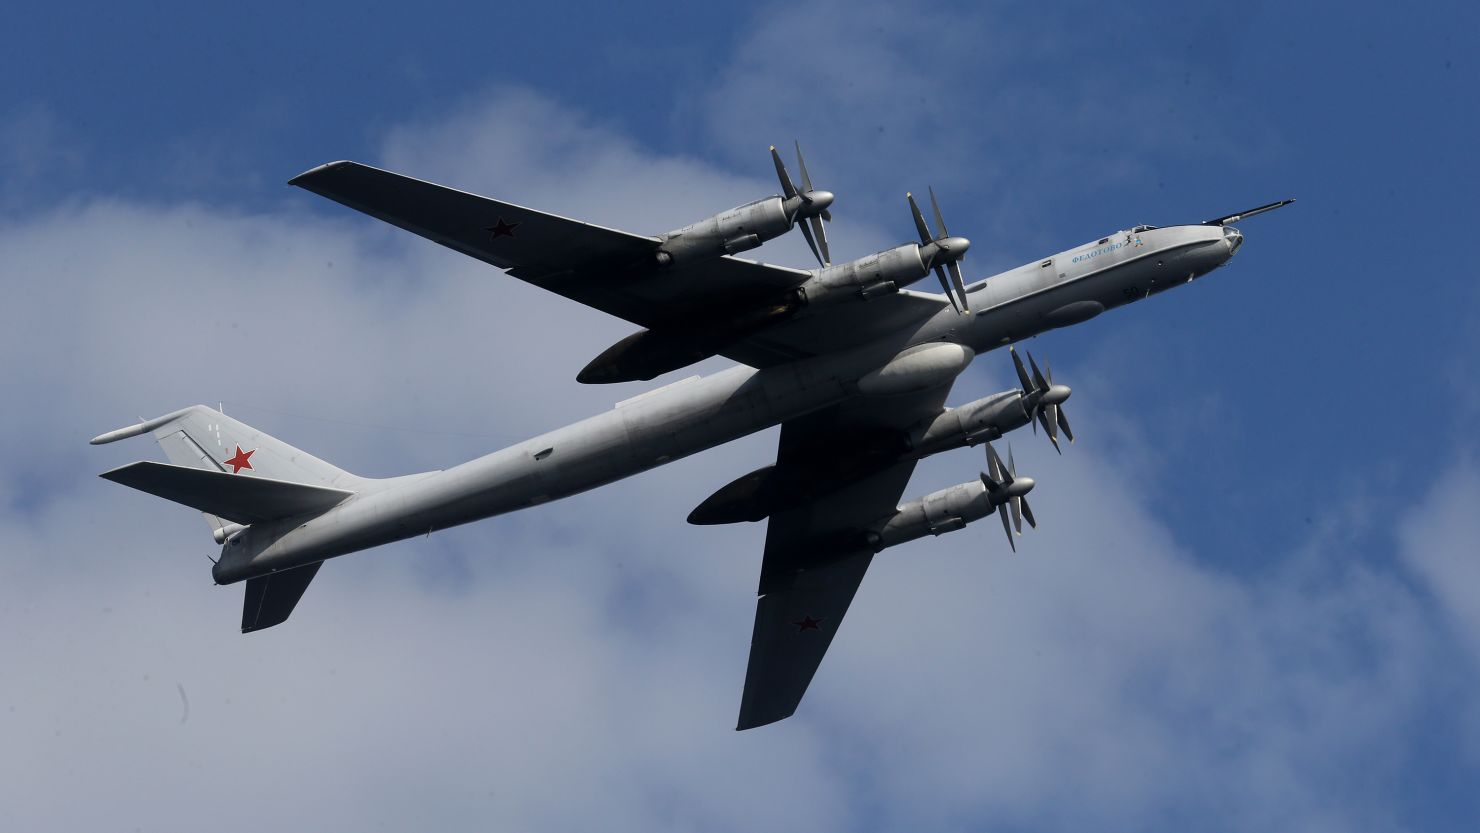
(854, 367)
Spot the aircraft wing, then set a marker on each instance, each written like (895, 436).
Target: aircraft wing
(815, 554)
(614, 271)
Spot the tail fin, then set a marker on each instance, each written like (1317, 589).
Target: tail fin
(271, 598)
(237, 476)
(204, 438)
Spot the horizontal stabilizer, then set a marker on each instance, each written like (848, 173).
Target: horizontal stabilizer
(271, 598)
(244, 500)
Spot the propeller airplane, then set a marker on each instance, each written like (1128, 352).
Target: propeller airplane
(854, 367)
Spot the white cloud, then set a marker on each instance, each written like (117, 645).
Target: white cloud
(579, 665)
(1440, 544)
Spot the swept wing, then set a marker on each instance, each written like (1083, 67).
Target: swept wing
(618, 273)
(816, 554)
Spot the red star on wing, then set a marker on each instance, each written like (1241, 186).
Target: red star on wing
(807, 623)
(242, 460)
(501, 229)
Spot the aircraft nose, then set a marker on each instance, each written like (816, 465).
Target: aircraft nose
(1234, 238)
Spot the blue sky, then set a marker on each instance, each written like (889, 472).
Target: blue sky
(1256, 577)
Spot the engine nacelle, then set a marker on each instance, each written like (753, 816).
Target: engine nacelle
(975, 422)
(935, 514)
(882, 273)
(739, 229)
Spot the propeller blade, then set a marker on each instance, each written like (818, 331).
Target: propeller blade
(945, 286)
(807, 233)
(1028, 513)
(1064, 424)
(940, 222)
(960, 284)
(1002, 513)
(802, 163)
(1017, 515)
(787, 189)
(821, 233)
(1011, 463)
(826, 215)
(994, 465)
(1038, 381)
(1022, 372)
(1047, 428)
(1243, 215)
(920, 226)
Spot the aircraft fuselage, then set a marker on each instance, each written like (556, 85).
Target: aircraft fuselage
(700, 413)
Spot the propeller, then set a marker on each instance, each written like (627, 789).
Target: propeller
(1044, 400)
(1008, 492)
(942, 252)
(1242, 215)
(807, 208)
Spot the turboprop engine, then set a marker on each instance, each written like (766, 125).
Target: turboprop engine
(748, 226)
(889, 271)
(999, 490)
(989, 418)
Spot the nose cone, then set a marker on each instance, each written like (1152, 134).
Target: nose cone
(819, 201)
(1020, 486)
(1056, 394)
(1234, 238)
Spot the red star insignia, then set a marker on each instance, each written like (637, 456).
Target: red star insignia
(501, 229)
(807, 623)
(242, 460)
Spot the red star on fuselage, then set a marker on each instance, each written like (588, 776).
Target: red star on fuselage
(242, 460)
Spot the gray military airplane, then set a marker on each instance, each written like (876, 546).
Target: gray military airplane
(854, 367)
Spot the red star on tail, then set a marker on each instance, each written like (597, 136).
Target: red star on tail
(242, 460)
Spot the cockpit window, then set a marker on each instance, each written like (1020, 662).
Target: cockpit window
(1139, 229)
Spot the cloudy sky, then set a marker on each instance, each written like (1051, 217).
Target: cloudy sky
(1254, 599)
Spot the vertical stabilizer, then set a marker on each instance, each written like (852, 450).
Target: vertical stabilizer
(199, 437)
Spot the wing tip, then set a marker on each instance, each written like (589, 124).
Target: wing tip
(754, 721)
(318, 171)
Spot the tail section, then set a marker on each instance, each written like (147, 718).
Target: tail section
(204, 438)
(271, 598)
(237, 476)
(224, 496)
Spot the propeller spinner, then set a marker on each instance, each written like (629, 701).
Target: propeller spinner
(1045, 400)
(942, 253)
(807, 208)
